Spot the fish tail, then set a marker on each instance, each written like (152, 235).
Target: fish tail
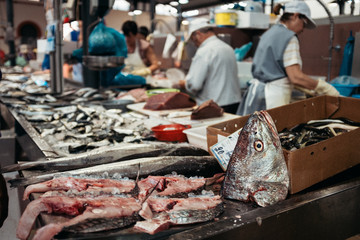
(14, 183)
(23, 166)
(135, 191)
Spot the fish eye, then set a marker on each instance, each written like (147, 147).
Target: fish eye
(258, 145)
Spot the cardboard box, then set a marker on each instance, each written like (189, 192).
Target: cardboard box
(317, 162)
(253, 20)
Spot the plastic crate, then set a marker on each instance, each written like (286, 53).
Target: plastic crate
(345, 90)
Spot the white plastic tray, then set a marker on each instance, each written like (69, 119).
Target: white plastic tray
(197, 136)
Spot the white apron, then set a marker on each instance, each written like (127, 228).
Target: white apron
(278, 93)
(134, 61)
(253, 99)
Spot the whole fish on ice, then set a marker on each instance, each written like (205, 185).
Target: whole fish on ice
(105, 155)
(257, 170)
(162, 165)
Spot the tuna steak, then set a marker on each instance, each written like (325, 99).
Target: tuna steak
(208, 109)
(170, 100)
(257, 170)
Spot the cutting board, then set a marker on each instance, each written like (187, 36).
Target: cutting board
(139, 107)
(203, 122)
(185, 120)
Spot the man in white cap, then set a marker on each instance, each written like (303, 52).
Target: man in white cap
(277, 63)
(213, 70)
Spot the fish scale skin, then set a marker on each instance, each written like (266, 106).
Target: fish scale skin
(195, 216)
(102, 224)
(252, 175)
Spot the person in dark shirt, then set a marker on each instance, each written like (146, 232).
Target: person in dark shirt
(143, 32)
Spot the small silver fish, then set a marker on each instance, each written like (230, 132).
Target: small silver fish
(257, 170)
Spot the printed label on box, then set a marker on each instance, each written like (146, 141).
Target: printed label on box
(224, 149)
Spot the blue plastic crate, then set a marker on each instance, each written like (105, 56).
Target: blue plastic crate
(345, 90)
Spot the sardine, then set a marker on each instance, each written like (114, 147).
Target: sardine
(38, 107)
(87, 110)
(32, 113)
(83, 91)
(108, 155)
(66, 110)
(314, 131)
(87, 123)
(340, 120)
(90, 93)
(257, 170)
(39, 118)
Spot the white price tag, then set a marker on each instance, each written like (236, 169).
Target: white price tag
(224, 149)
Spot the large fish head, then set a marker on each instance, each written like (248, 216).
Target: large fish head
(257, 160)
(258, 144)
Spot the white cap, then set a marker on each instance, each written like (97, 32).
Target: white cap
(197, 24)
(302, 8)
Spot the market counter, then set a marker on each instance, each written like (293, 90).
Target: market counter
(328, 210)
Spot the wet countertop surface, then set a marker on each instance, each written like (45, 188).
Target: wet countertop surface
(262, 223)
(290, 219)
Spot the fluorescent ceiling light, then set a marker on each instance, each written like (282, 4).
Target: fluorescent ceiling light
(183, 1)
(191, 13)
(137, 12)
(185, 22)
(174, 3)
(165, 10)
(231, 5)
(121, 5)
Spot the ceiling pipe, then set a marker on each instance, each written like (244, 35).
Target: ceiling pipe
(152, 14)
(10, 32)
(331, 19)
(352, 7)
(56, 57)
(341, 4)
(179, 18)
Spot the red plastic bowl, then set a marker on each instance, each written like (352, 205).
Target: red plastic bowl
(170, 132)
